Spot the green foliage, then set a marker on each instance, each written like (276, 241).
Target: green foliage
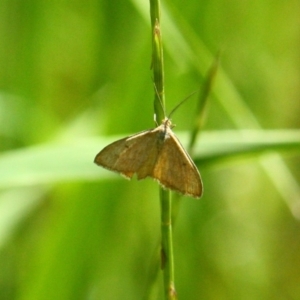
(73, 74)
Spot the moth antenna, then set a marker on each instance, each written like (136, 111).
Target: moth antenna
(179, 104)
(160, 101)
(155, 120)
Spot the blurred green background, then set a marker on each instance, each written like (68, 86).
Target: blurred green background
(74, 76)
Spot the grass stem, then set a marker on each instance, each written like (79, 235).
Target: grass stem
(167, 258)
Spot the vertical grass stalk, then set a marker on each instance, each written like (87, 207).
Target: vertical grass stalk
(167, 260)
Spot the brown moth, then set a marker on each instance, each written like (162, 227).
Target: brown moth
(156, 153)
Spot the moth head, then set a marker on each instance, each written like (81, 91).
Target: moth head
(167, 123)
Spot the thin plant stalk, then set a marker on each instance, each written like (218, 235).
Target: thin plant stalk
(167, 259)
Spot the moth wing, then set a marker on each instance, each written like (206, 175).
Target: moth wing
(175, 169)
(134, 154)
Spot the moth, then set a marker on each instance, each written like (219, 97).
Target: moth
(155, 153)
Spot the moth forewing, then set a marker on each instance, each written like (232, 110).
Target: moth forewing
(176, 170)
(129, 155)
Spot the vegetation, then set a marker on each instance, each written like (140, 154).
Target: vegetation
(76, 76)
